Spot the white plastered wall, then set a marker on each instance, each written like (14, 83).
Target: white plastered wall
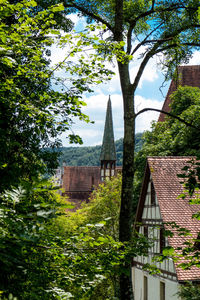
(171, 287)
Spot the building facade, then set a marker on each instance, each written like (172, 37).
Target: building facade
(158, 209)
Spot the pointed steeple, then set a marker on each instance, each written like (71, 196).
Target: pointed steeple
(108, 151)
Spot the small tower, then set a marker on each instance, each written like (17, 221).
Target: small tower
(108, 152)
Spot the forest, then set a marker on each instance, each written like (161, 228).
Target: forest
(90, 156)
(47, 252)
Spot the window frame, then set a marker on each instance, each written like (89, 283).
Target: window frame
(145, 287)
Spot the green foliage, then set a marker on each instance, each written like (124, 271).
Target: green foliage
(172, 137)
(35, 262)
(189, 291)
(33, 113)
(107, 196)
(91, 257)
(92, 244)
(134, 30)
(90, 156)
(103, 206)
(28, 249)
(45, 255)
(27, 123)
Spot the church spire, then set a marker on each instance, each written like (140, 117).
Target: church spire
(108, 152)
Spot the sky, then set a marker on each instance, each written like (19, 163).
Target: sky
(150, 93)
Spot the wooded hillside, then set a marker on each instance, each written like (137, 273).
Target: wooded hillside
(89, 156)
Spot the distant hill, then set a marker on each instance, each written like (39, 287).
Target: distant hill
(89, 156)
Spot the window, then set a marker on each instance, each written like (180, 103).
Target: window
(146, 236)
(145, 288)
(153, 195)
(146, 231)
(162, 290)
(162, 239)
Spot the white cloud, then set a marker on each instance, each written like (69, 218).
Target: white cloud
(99, 101)
(95, 102)
(74, 18)
(92, 134)
(89, 133)
(143, 121)
(150, 73)
(195, 60)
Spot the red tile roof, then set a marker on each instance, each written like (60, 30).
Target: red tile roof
(167, 185)
(80, 179)
(187, 75)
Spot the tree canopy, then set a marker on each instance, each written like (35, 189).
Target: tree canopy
(172, 137)
(32, 115)
(33, 111)
(139, 29)
(93, 244)
(90, 156)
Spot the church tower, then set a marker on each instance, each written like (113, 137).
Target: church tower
(108, 152)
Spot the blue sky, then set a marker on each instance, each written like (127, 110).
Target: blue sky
(148, 94)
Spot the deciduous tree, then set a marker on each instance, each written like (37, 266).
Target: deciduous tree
(93, 251)
(33, 112)
(32, 115)
(173, 137)
(146, 28)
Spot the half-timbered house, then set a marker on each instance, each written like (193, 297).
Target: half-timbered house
(158, 207)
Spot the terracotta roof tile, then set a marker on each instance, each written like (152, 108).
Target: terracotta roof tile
(80, 179)
(167, 185)
(187, 75)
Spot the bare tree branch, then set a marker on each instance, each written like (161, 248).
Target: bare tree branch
(157, 10)
(166, 113)
(90, 14)
(145, 41)
(156, 48)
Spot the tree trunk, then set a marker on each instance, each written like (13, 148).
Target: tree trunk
(126, 210)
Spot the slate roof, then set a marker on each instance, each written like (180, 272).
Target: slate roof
(167, 186)
(108, 151)
(187, 75)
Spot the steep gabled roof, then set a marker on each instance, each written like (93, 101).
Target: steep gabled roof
(187, 75)
(108, 152)
(163, 171)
